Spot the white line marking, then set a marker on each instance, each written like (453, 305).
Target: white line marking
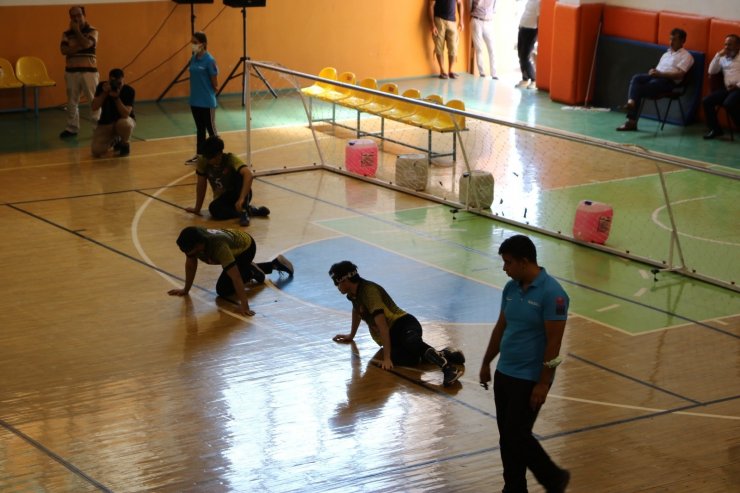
(646, 409)
(645, 274)
(640, 292)
(657, 211)
(607, 308)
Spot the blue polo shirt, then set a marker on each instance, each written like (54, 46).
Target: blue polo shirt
(524, 339)
(202, 94)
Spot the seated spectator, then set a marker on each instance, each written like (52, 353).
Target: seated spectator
(727, 62)
(671, 69)
(116, 102)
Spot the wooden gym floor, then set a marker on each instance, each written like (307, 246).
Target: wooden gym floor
(108, 384)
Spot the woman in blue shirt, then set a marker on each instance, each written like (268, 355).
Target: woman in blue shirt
(203, 85)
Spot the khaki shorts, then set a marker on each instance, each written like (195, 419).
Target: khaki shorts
(446, 33)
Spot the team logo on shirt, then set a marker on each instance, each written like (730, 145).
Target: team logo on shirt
(560, 305)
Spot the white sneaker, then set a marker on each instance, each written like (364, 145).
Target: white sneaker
(523, 84)
(192, 160)
(532, 86)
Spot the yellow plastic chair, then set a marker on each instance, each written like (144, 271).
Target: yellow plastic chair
(319, 87)
(379, 104)
(425, 117)
(31, 71)
(357, 99)
(8, 80)
(336, 93)
(403, 109)
(445, 122)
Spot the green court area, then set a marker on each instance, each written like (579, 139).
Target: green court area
(611, 290)
(702, 206)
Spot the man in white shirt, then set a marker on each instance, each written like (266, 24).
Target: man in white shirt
(671, 69)
(726, 61)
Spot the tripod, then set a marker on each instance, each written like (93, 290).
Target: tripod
(177, 79)
(243, 64)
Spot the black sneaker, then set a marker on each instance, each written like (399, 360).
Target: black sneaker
(282, 264)
(124, 149)
(116, 144)
(66, 134)
(451, 374)
(562, 484)
(260, 211)
(454, 356)
(435, 357)
(257, 275)
(244, 219)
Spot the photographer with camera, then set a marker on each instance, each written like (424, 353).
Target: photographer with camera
(116, 100)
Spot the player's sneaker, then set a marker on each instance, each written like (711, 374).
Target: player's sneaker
(260, 211)
(192, 160)
(257, 274)
(436, 357)
(282, 264)
(244, 218)
(454, 355)
(451, 374)
(124, 149)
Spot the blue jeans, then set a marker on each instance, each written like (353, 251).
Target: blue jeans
(643, 85)
(730, 100)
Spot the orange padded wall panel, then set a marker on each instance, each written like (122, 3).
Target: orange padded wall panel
(696, 27)
(574, 43)
(718, 31)
(638, 25)
(545, 31)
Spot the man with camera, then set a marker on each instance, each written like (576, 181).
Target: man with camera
(116, 102)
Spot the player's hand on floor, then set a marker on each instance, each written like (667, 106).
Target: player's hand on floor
(343, 338)
(177, 292)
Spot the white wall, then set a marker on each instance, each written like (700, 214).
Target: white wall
(723, 9)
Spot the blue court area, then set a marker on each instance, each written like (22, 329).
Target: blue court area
(429, 293)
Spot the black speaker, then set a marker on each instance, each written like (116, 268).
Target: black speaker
(190, 2)
(245, 3)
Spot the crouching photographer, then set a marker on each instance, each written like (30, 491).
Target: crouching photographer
(116, 124)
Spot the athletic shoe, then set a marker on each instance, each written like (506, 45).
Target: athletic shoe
(532, 86)
(260, 211)
(562, 483)
(244, 219)
(192, 160)
(66, 134)
(435, 357)
(451, 374)
(124, 149)
(454, 356)
(116, 144)
(282, 264)
(257, 274)
(523, 84)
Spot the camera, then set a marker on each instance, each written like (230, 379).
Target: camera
(115, 84)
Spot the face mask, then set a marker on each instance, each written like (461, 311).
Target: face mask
(196, 48)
